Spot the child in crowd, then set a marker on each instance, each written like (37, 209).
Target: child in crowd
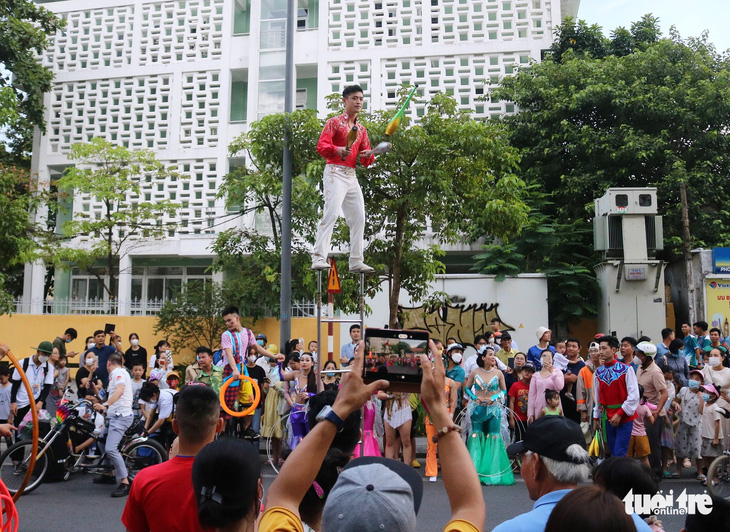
(137, 382)
(518, 394)
(5, 387)
(553, 407)
(159, 373)
(61, 375)
(639, 444)
(667, 436)
(560, 361)
(688, 439)
(712, 434)
(173, 380)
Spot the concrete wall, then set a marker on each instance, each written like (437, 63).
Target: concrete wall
(521, 304)
(22, 332)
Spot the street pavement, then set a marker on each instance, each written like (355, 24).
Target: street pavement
(80, 505)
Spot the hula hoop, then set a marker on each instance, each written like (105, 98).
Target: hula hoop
(256, 400)
(34, 415)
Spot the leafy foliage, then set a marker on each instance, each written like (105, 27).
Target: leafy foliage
(448, 179)
(17, 198)
(112, 175)
(656, 114)
(24, 27)
(193, 318)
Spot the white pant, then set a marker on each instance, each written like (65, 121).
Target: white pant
(341, 191)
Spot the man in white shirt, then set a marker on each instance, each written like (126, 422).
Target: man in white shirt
(119, 414)
(347, 352)
(40, 376)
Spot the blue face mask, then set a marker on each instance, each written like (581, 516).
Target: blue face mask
(328, 374)
(481, 349)
(706, 397)
(68, 340)
(694, 385)
(260, 342)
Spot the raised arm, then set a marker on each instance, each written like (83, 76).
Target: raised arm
(460, 477)
(300, 470)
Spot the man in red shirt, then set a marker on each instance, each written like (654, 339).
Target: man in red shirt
(341, 188)
(197, 420)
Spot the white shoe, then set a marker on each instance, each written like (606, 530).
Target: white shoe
(361, 267)
(432, 479)
(320, 263)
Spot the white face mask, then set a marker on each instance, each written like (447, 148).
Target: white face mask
(90, 345)
(134, 341)
(43, 358)
(715, 361)
(481, 349)
(456, 357)
(252, 359)
(90, 361)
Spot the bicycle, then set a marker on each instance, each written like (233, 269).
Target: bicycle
(138, 452)
(718, 476)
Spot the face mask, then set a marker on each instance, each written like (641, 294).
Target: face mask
(68, 340)
(694, 385)
(706, 397)
(456, 357)
(715, 361)
(43, 358)
(481, 349)
(260, 342)
(89, 361)
(252, 359)
(90, 345)
(329, 374)
(134, 342)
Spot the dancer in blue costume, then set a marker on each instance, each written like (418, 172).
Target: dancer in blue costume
(486, 389)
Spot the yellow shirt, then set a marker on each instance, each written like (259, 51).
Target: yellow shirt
(283, 520)
(280, 520)
(504, 356)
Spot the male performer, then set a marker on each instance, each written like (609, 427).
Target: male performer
(341, 189)
(617, 397)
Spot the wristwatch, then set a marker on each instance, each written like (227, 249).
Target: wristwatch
(329, 414)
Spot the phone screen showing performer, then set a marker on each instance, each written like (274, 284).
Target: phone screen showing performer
(394, 355)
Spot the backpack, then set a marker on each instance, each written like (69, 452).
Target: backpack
(26, 365)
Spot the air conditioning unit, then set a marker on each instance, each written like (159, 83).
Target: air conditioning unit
(608, 235)
(627, 201)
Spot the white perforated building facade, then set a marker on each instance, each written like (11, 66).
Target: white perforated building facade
(185, 77)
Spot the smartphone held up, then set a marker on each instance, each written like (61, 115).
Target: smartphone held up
(395, 355)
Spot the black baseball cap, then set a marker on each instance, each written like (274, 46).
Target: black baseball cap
(551, 436)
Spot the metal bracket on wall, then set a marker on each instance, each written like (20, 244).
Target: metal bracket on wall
(619, 274)
(658, 267)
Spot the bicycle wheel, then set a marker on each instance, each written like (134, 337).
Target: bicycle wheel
(143, 454)
(14, 463)
(718, 477)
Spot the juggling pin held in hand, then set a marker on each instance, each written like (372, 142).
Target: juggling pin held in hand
(351, 138)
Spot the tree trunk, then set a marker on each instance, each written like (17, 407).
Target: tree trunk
(687, 252)
(395, 268)
(110, 255)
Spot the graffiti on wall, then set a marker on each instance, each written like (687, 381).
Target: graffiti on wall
(462, 322)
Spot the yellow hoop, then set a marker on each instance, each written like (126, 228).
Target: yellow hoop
(256, 400)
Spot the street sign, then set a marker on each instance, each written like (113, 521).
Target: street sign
(721, 260)
(333, 282)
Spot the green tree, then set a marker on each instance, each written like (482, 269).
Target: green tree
(655, 117)
(448, 179)
(17, 198)
(112, 175)
(24, 27)
(193, 318)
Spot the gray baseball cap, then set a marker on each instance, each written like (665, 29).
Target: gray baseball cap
(373, 494)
